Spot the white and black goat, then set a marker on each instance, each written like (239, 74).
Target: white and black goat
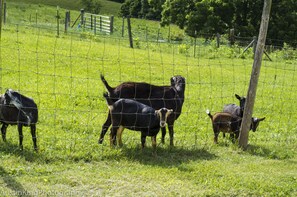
(157, 97)
(133, 115)
(17, 109)
(229, 123)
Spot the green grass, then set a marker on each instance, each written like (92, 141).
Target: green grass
(62, 75)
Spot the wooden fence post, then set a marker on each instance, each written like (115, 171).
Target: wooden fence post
(82, 14)
(195, 43)
(123, 26)
(67, 20)
(1, 8)
(95, 25)
(251, 94)
(130, 32)
(58, 21)
(158, 36)
(91, 21)
(36, 17)
(4, 14)
(218, 40)
(111, 24)
(100, 23)
(231, 37)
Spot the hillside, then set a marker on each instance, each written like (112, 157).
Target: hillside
(108, 7)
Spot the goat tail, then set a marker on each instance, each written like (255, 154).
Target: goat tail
(107, 86)
(108, 99)
(208, 113)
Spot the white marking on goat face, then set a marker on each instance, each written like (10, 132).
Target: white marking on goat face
(255, 123)
(163, 114)
(110, 107)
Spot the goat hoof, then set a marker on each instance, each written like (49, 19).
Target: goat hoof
(100, 141)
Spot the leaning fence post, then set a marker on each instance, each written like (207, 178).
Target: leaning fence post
(129, 32)
(251, 94)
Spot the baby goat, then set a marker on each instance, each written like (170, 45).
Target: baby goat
(133, 115)
(228, 123)
(235, 109)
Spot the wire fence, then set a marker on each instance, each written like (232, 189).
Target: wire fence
(62, 74)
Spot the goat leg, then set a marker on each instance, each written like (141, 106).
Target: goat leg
(113, 137)
(215, 139)
(232, 137)
(143, 137)
(3, 131)
(171, 134)
(163, 135)
(33, 133)
(105, 127)
(20, 129)
(154, 142)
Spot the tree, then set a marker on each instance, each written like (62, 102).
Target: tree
(148, 9)
(201, 16)
(91, 6)
(218, 16)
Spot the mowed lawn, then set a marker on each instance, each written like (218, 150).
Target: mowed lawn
(62, 74)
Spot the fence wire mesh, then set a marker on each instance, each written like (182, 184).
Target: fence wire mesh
(62, 75)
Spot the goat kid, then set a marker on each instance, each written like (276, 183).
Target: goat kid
(157, 97)
(228, 123)
(133, 115)
(235, 109)
(17, 109)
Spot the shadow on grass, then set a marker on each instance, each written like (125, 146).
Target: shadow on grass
(12, 184)
(13, 149)
(262, 151)
(165, 157)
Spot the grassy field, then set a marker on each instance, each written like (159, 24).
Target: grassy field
(62, 75)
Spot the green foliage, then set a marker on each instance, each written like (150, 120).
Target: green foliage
(148, 9)
(92, 6)
(212, 16)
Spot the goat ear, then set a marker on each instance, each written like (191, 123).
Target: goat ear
(237, 96)
(261, 119)
(170, 110)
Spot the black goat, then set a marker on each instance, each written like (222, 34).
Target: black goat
(133, 115)
(17, 109)
(235, 109)
(229, 123)
(157, 97)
